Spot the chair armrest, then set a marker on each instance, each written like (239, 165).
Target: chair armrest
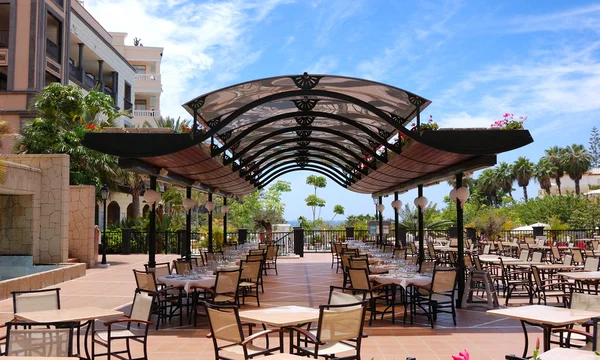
(555, 284)
(251, 338)
(110, 323)
(380, 286)
(249, 324)
(574, 331)
(306, 333)
(204, 288)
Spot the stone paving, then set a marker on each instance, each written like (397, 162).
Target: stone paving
(300, 282)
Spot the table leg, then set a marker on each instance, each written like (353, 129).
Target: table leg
(526, 339)
(85, 342)
(547, 333)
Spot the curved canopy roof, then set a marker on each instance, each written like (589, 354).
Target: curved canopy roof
(246, 135)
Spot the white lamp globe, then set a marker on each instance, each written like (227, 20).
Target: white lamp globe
(396, 204)
(462, 194)
(380, 208)
(188, 204)
(209, 205)
(421, 202)
(224, 209)
(452, 195)
(151, 196)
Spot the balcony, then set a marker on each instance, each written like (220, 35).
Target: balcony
(147, 77)
(89, 81)
(3, 38)
(146, 113)
(52, 51)
(148, 83)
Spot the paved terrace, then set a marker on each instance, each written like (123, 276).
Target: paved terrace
(302, 282)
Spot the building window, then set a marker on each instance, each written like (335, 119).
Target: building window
(3, 77)
(140, 105)
(53, 38)
(51, 79)
(140, 69)
(4, 25)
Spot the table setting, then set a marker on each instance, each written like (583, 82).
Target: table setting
(189, 281)
(403, 276)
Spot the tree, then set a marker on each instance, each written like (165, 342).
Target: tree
(554, 156)
(595, 147)
(3, 132)
(337, 210)
(523, 171)
(313, 201)
(489, 223)
(317, 182)
(178, 125)
(543, 172)
(135, 183)
(487, 184)
(359, 222)
(504, 177)
(65, 116)
(576, 161)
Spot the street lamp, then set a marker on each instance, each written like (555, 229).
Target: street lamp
(104, 193)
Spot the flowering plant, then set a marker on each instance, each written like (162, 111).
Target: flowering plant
(91, 127)
(537, 350)
(429, 125)
(508, 122)
(463, 355)
(185, 129)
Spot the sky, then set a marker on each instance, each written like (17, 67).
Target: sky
(475, 60)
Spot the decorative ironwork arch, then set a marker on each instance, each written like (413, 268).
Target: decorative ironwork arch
(268, 171)
(309, 167)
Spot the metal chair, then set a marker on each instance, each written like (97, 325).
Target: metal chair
(250, 279)
(36, 300)
(546, 288)
(438, 296)
(377, 295)
(28, 339)
(168, 299)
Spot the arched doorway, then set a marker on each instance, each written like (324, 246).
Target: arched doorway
(130, 211)
(113, 212)
(145, 210)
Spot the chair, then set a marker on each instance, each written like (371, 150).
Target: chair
(213, 256)
(359, 280)
(168, 299)
(160, 269)
(271, 258)
(556, 257)
(359, 263)
(536, 257)
(226, 287)
(36, 300)
(577, 256)
(568, 260)
(513, 279)
(227, 334)
(486, 249)
(438, 296)
(546, 288)
(413, 248)
(431, 251)
(250, 279)
(340, 329)
(400, 254)
(579, 301)
(591, 264)
(427, 267)
(39, 340)
(524, 255)
(140, 313)
(453, 242)
(182, 266)
(343, 296)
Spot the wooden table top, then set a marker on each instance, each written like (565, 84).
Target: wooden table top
(547, 315)
(74, 314)
(583, 275)
(281, 316)
(571, 354)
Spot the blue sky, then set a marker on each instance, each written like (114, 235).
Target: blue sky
(474, 59)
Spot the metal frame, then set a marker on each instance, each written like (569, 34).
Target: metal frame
(298, 168)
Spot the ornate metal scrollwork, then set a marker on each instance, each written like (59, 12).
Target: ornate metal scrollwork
(384, 134)
(302, 161)
(214, 121)
(235, 146)
(303, 133)
(303, 143)
(302, 152)
(226, 158)
(305, 81)
(373, 144)
(226, 135)
(305, 104)
(304, 120)
(397, 118)
(197, 104)
(415, 99)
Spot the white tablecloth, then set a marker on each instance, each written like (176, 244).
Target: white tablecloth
(187, 282)
(418, 280)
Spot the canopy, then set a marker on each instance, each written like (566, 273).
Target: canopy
(245, 136)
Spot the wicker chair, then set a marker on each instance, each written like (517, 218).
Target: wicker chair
(250, 279)
(227, 334)
(140, 313)
(339, 330)
(39, 340)
(438, 296)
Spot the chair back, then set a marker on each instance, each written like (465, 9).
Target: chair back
(500, 246)
(556, 254)
(224, 322)
(36, 300)
(141, 309)
(431, 250)
(161, 269)
(536, 257)
(591, 264)
(145, 280)
(272, 251)
(227, 281)
(568, 260)
(577, 256)
(257, 252)
(251, 270)
(39, 340)
(468, 262)
(486, 249)
(359, 264)
(530, 240)
(469, 244)
(413, 248)
(255, 257)
(524, 246)
(427, 267)
(595, 244)
(339, 296)
(181, 266)
(524, 255)
(399, 253)
(453, 242)
(536, 277)
(443, 281)
(345, 261)
(477, 262)
(214, 256)
(359, 279)
(587, 302)
(341, 322)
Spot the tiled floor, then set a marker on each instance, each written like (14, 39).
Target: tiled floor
(300, 282)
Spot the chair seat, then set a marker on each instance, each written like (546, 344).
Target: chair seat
(223, 298)
(329, 348)
(103, 335)
(238, 349)
(247, 284)
(554, 293)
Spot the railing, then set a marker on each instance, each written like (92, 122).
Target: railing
(3, 38)
(428, 235)
(147, 77)
(52, 51)
(108, 91)
(552, 235)
(150, 113)
(285, 240)
(320, 240)
(89, 81)
(74, 72)
(127, 104)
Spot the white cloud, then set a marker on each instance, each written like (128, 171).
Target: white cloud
(581, 18)
(206, 45)
(325, 65)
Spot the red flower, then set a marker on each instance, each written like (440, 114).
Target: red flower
(413, 124)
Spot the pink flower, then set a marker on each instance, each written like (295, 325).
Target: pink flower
(506, 115)
(463, 355)
(537, 343)
(413, 124)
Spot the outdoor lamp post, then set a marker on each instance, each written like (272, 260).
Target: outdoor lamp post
(396, 205)
(104, 193)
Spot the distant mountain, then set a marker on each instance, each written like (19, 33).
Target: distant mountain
(333, 223)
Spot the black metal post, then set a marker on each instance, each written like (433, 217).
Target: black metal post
(380, 223)
(461, 247)
(152, 230)
(100, 77)
(188, 227)
(80, 62)
(396, 223)
(104, 240)
(224, 221)
(210, 232)
(420, 224)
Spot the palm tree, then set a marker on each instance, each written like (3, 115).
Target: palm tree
(576, 161)
(523, 171)
(553, 155)
(135, 183)
(504, 177)
(168, 122)
(467, 181)
(313, 201)
(337, 210)
(3, 132)
(487, 183)
(543, 172)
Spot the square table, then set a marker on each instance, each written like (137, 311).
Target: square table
(547, 317)
(584, 275)
(88, 313)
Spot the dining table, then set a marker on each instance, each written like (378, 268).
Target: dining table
(546, 317)
(87, 314)
(188, 282)
(570, 354)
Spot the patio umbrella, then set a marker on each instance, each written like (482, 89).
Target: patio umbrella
(593, 192)
(539, 225)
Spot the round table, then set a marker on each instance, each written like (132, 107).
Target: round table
(188, 281)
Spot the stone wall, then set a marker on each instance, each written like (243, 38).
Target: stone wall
(16, 223)
(51, 245)
(81, 224)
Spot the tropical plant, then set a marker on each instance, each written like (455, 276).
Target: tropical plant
(595, 147)
(487, 184)
(466, 181)
(489, 223)
(178, 125)
(358, 222)
(576, 161)
(135, 184)
(523, 171)
(554, 157)
(543, 172)
(337, 210)
(316, 182)
(504, 177)
(3, 132)
(407, 216)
